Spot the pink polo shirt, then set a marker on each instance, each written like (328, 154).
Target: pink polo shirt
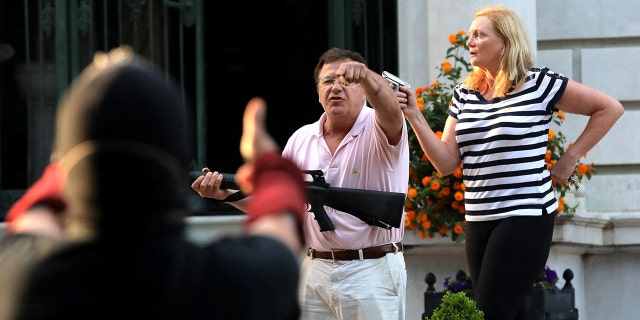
(363, 160)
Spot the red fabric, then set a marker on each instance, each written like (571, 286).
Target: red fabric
(278, 187)
(47, 190)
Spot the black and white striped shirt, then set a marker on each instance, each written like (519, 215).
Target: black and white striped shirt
(503, 143)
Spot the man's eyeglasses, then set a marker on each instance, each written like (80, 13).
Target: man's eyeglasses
(328, 82)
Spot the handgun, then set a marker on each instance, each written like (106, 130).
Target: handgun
(395, 82)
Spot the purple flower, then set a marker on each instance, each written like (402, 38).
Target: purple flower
(462, 283)
(551, 278)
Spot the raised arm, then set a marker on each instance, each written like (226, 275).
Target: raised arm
(380, 96)
(443, 152)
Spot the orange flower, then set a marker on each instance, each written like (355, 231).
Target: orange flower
(419, 90)
(439, 134)
(421, 106)
(435, 185)
(459, 196)
(412, 193)
(552, 134)
(420, 100)
(425, 180)
(443, 230)
(560, 114)
(560, 204)
(446, 66)
(458, 173)
(582, 168)
(426, 225)
(411, 214)
(458, 229)
(453, 39)
(435, 84)
(409, 224)
(462, 32)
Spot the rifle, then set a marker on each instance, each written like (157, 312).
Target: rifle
(376, 208)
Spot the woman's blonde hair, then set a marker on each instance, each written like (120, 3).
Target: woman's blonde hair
(517, 57)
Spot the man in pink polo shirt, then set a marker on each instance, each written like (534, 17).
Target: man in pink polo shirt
(356, 271)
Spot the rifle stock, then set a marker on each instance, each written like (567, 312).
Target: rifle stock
(377, 208)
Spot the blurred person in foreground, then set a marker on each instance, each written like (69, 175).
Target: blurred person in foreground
(26, 239)
(122, 145)
(32, 230)
(498, 126)
(356, 271)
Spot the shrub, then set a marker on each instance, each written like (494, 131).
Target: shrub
(456, 306)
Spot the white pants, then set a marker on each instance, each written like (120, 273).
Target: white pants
(367, 289)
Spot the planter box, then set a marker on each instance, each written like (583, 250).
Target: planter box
(540, 303)
(544, 304)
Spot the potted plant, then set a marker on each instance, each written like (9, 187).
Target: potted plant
(456, 306)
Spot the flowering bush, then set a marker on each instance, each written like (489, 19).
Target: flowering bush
(435, 203)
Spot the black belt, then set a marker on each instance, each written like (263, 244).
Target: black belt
(366, 253)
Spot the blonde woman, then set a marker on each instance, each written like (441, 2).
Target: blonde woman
(497, 127)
